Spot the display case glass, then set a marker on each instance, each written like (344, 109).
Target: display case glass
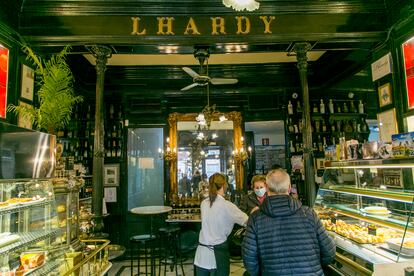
(28, 227)
(367, 206)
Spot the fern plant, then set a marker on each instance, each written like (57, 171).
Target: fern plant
(56, 94)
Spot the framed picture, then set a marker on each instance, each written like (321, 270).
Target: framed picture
(320, 163)
(27, 87)
(23, 121)
(384, 93)
(111, 175)
(387, 122)
(4, 71)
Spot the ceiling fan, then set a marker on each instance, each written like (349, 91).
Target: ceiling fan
(202, 78)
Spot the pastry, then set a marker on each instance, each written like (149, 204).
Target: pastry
(32, 260)
(61, 208)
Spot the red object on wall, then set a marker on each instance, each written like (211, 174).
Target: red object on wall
(408, 51)
(4, 63)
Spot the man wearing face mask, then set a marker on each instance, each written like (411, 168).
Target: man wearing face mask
(251, 201)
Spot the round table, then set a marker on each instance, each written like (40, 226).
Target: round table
(151, 210)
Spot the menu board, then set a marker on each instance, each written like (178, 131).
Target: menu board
(4, 60)
(267, 156)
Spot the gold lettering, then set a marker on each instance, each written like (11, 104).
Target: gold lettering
(267, 20)
(240, 25)
(217, 22)
(162, 24)
(191, 26)
(135, 27)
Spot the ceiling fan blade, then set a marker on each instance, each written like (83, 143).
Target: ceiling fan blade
(223, 81)
(191, 72)
(189, 86)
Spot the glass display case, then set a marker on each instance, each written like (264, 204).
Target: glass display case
(67, 201)
(367, 206)
(28, 228)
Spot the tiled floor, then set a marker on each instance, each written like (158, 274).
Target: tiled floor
(123, 269)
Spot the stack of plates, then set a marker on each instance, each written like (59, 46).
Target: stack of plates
(376, 211)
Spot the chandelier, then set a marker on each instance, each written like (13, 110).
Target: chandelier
(240, 5)
(241, 154)
(169, 154)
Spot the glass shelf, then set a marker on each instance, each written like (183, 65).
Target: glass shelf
(28, 239)
(385, 221)
(48, 267)
(397, 163)
(21, 207)
(374, 193)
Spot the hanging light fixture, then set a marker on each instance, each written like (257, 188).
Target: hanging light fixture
(240, 5)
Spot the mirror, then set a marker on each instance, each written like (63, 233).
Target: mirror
(205, 151)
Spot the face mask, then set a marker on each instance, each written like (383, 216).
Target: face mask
(260, 192)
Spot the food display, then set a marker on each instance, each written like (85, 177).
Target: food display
(369, 216)
(358, 233)
(407, 247)
(30, 260)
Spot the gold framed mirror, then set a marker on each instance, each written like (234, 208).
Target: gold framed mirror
(174, 145)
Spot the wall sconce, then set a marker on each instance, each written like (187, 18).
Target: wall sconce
(168, 154)
(241, 154)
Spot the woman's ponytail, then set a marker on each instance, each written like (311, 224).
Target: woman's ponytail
(216, 181)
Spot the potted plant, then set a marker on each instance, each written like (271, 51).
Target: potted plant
(56, 96)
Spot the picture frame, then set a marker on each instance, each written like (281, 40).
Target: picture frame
(385, 94)
(387, 123)
(320, 163)
(23, 121)
(27, 83)
(111, 175)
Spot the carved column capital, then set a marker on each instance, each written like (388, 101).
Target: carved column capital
(301, 48)
(101, 53)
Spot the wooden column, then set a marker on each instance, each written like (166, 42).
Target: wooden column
(101, 53)
(310, 189)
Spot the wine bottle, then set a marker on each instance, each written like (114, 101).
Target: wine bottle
(324, 145)
(290, 126)
(291, 148)
(290, 108)
(298, 107)
(315, 108)
(364, 126)
(345, 109)
(111, 111)
(352, 108)
(331, 106)
(114, 132)
(360, 107)
(322, 107)
(324, 128)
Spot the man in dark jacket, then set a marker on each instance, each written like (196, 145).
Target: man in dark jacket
(284, 237)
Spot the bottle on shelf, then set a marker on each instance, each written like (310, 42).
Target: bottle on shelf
(360, 107)
(331, 106)
(322, 107)
(290, 108)
(291, 147)
(352, 108)
(290, 126)
(345, 109)
(298, 107)
(315, 108)
(111, 111)
(324, 127)
(324, 145)
(348, 127)
(364, 126)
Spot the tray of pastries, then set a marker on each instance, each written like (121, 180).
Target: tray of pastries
(358, 233)
(407, 247)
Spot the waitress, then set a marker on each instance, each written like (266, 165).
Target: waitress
(218, 217)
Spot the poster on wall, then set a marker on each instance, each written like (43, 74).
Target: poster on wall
(4, 64)
(408, 52)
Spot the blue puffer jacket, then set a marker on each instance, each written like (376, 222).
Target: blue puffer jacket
(286, 238)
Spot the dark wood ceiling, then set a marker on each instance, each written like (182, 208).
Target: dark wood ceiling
(348, 32)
